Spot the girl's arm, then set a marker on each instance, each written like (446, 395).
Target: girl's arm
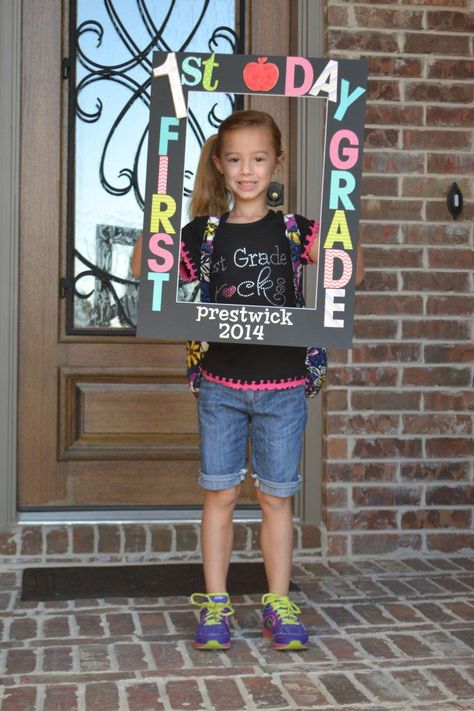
(313, 251)
(313, 255)
(136, 260)
(360, 265)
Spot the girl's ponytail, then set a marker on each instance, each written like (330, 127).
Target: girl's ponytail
(209, 194)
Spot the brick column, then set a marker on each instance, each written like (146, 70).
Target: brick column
(399, 443)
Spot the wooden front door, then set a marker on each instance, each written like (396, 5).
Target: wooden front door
(103, 420)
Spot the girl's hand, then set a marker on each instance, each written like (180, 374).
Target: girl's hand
(360, 265)
(313, 251)
(136, 260)
(360, 269)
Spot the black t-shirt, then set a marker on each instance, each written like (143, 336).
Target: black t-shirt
(251, 264)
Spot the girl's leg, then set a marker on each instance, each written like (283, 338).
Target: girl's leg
(280, 616)
(217, 536)
(278, 422)
(223, 425)
(277, 430)
(276, 540)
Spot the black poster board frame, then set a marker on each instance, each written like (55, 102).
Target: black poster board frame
(342, 84)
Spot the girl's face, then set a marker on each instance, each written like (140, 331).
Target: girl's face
(248, 161)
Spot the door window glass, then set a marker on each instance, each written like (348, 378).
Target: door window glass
(109, 72)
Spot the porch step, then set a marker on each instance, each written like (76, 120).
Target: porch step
(133, 543)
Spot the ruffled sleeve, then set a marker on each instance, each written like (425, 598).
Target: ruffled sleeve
(309, 233)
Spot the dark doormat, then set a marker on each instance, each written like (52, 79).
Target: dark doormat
(162, 580)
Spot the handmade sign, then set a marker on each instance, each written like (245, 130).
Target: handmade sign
(342, 85)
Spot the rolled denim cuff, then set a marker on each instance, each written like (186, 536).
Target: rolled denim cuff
(219, 483)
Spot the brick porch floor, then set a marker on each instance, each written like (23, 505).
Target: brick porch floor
(386, 634)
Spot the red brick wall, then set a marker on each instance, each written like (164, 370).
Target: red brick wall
(399, 443)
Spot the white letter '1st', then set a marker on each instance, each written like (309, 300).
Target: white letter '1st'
(170, 69)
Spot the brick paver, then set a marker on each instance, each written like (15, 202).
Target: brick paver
(385, 635)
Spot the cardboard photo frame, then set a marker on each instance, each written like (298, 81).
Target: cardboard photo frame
(342, 84)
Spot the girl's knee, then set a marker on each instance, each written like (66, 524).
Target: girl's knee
(273, 503)
(223, 497)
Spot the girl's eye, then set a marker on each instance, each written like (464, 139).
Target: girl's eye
(259, 159)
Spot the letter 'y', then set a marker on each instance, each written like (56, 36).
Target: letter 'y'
(346, 99)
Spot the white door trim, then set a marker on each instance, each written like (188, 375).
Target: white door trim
(10, 90)
(309, 131)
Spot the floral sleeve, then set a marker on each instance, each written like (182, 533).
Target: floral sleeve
(190, 258)
(189, 252)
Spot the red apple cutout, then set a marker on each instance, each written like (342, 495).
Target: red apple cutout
(259, 76)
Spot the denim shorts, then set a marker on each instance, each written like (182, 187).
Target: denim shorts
(273, 419)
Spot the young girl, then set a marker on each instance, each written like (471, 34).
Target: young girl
(248, 390)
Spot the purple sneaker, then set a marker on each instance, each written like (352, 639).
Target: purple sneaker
(281, 623)
(213, 631)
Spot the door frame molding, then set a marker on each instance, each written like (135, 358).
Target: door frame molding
(10, 107)
(308, 41)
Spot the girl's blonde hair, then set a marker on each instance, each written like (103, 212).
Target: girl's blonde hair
(210, 196)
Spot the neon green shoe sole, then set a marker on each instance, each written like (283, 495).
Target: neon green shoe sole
(211, 644)
(295, 645)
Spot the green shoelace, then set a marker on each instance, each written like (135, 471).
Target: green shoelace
(285, 609)
(215, 610)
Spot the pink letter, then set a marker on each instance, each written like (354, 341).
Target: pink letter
(164, 254)
(291, 64)
(330, 256)
(350, 154)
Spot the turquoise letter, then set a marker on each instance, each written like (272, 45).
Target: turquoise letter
(341, 193)
(193, 72)
(346, 99)
(166, 135)
(157, 278)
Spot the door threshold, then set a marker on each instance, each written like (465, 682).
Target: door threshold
(71, 516)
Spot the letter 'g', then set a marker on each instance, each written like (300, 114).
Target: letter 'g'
(345, 157)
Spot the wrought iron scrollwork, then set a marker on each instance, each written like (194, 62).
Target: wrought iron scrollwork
(121, 308)
(223, 33)
(133, 74)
